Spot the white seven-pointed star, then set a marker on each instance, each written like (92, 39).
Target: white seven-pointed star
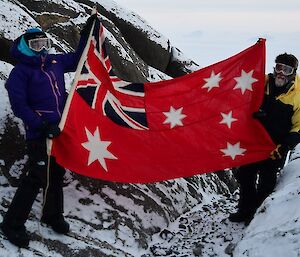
(245, 81)
(227, 119)
(97, 148)
(212, 81)
(233, 150)
(174, 117)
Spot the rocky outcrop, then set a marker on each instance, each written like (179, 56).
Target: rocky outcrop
(5, 45)
(148, 46)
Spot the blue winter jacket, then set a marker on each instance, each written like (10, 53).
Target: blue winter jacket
(36, 87)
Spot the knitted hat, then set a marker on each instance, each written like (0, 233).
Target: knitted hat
(287, 59)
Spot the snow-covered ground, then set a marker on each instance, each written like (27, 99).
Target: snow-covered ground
(275, 230)
(197, 231)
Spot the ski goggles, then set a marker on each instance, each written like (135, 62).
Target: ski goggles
(286, 70)
(38, 44)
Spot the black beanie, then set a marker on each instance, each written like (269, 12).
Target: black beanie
(287, 59)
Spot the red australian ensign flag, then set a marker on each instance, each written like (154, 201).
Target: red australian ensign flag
(146, 132)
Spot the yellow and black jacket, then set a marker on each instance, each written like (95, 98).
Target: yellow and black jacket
(280, 112)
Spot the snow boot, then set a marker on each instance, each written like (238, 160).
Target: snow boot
(16, 235)
(13, 224)
(245, 213)
(238, 216)
(59, 225)
(241, 216)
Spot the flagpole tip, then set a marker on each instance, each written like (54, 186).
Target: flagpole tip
(94, 11)
(260, 40)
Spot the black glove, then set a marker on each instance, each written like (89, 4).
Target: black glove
(88, 25)
(259, 114)
(292, 139)
(50, 130)
(279, 152)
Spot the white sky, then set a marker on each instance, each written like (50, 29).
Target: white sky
(208, 31)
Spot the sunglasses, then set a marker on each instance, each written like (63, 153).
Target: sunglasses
(38, 44)
(286, 70)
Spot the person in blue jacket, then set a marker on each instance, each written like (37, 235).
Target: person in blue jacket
(37, 95)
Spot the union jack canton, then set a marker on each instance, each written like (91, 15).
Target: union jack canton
(121, 101)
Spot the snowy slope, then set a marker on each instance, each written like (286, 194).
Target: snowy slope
(275, 230)
(16, 23)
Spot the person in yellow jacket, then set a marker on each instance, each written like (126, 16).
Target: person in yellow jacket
(280, 115)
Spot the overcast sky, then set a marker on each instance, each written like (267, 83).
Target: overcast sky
(208, 31)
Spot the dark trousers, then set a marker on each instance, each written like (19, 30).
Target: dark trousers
(37, 177)
(257, 181)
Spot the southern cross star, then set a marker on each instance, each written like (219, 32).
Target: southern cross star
(212, 81)
(174, 117)
(97, 148)
(227, 119)
(245, 81)
(233, 150)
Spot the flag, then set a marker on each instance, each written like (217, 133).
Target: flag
(146, 132)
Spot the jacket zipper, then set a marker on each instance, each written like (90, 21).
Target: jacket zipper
(55, 82)
(52, 86)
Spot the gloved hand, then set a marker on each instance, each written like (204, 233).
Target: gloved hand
(259, 114)
(50, 130)
(279, 152)
(88, 25)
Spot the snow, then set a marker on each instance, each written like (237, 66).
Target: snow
(275, 230)
(17, 22)
(136, 20)
(207, 232)
(68, 4)
(4, 107)
(118, 46)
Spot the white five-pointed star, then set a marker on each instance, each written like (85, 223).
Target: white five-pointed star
(97, 148)
(174, 117)
(227, 119)
(233, 150)
(245, 81)
(212, 81)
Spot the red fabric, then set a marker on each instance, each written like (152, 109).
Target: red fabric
(192, 144)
